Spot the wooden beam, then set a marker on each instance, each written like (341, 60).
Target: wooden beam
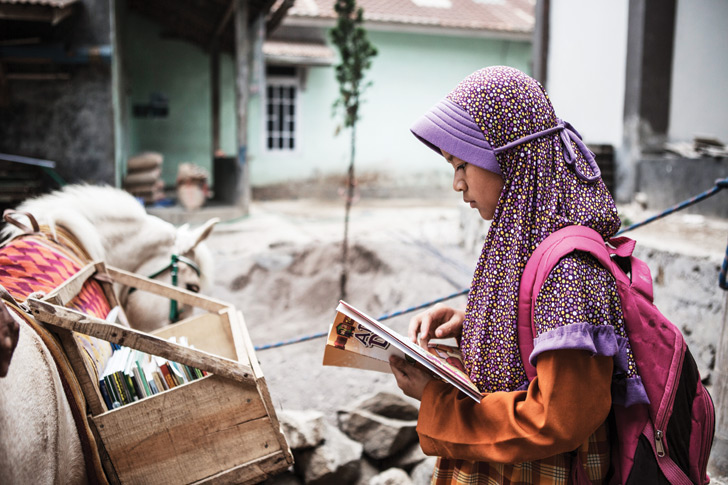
(215, 93)
(258, 35)
(38, 76)
(278, 16)
(35, 13)
(224, 21)
(163, 289)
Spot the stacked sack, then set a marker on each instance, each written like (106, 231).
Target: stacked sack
(192, 186)
(143, 177)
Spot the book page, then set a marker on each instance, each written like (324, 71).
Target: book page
(349, 344)
(357, 340)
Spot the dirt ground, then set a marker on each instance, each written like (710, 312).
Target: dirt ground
(281, 267)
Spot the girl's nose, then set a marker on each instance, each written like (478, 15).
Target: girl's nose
(458, 183)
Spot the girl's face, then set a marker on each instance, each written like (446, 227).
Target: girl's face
(481, 188)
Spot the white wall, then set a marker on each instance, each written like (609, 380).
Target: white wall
(586, 66)
(700, 71)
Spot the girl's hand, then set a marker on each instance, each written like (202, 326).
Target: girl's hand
(410, 378)
(440, 321)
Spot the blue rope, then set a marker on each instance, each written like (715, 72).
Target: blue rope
(719, 184)
(383, 317)
(723, 270)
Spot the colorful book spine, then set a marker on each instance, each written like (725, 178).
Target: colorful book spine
(131, 375)
(105, 394)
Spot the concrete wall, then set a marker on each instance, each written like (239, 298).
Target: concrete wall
(666, 182)
(700, 68)
(180, 71)
(68, 121)
(586, 66)
(411, 73)
(586, 81)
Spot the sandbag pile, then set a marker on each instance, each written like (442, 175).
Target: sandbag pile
(143, 177)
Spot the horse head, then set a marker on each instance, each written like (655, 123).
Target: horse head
(186, 264)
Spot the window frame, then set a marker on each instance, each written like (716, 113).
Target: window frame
(283, 81)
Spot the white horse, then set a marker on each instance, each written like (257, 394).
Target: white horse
(39, 441)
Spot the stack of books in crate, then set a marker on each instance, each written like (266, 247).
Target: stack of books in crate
(131, 375)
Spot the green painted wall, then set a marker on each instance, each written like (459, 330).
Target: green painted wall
(411, 73)
(180, 71)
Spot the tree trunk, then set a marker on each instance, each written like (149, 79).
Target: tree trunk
(349, 198)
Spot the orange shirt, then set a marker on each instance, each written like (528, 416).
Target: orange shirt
(564, 406)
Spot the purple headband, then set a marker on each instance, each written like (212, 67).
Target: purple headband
(449, 127)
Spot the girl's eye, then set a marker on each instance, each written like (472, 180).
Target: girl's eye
(461, 166)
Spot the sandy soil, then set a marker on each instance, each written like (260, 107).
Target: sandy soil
(281, 267)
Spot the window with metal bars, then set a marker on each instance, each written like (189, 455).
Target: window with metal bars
(280, 117)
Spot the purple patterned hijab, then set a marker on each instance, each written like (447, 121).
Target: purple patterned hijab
(545, 189)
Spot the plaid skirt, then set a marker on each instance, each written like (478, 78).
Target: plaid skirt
(556, 470)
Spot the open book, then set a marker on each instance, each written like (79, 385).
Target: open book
(357, 340)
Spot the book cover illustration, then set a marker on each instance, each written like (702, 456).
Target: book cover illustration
(359, 341)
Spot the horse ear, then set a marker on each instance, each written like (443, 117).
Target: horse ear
(201, 233)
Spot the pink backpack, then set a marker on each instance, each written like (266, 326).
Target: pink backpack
(669, 440)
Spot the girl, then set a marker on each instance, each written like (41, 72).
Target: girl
(519, 165)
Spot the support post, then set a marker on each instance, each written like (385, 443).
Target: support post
(258, 34)
(718, 464)
(215, 101)
(650, 42)
(242, 62)
(540, 47)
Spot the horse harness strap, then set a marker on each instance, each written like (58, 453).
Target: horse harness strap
(174, 267)
(58, 234)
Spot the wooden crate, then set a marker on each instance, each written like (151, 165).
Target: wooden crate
(221, 428)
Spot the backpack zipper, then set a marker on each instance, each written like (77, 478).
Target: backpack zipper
(662, 418)
(707, 440)
(658, 444)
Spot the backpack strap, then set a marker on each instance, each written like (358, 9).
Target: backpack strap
(548, 254)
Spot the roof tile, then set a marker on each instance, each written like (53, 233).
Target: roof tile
(497, 15)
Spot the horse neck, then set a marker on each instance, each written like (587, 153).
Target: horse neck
(128, 245)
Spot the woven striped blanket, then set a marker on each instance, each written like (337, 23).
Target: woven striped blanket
(35, 263)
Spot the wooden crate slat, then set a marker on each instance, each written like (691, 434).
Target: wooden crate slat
(180, 435)
(251, 472)
(238, 325)
(87, 325)
(208, 332)
(163, 289)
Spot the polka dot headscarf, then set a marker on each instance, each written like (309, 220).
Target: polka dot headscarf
(542, 194)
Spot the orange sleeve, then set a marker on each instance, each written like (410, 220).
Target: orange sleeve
(566, 402)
